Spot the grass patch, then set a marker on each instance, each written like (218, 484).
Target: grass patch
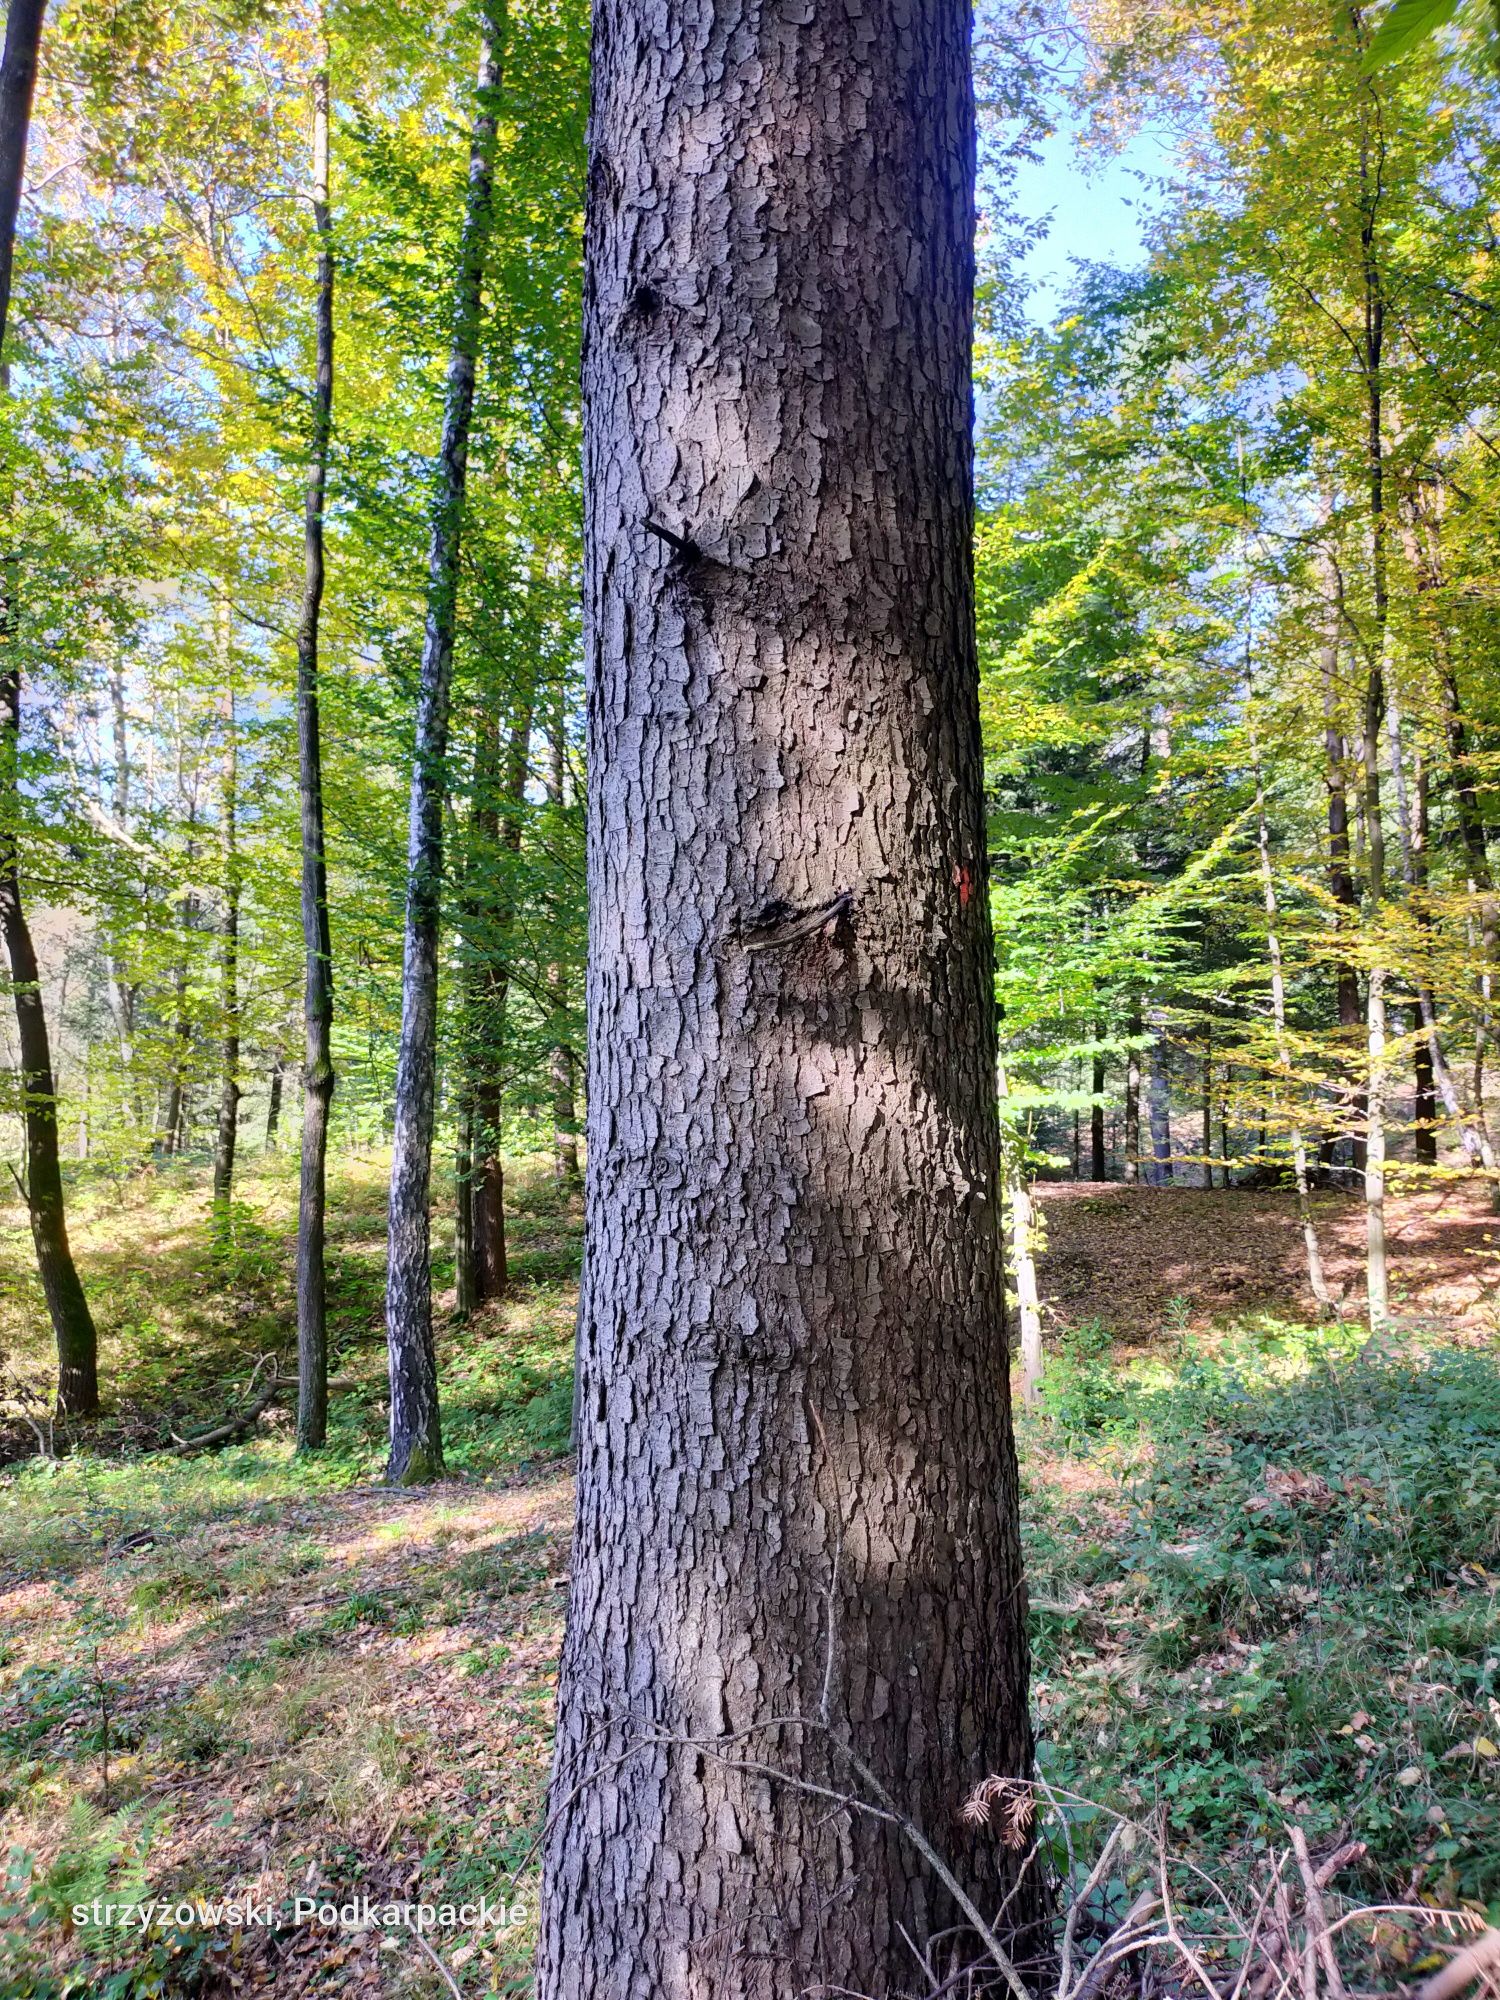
(1276, 1599)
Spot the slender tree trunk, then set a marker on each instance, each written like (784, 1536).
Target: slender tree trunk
(1317, 1282)
(1098, 1152)
(273, 1105)
(1372, 179)
(1431, 1061)
(318, 1079)
(1424, 1096)
(1341, 884)
(416, 1430)
(227, 1135)
(1208, 1117)
(1376, 1275)
(1023, 1278)
(465, 1299)
(501, 829)
(797, 1486)
(72, 1322)
(18, 66)
(1133, 1097)
(1160, 1097)
(174, 1127)
(563, 1066)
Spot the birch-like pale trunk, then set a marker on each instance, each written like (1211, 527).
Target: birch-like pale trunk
(416, 1429)
(1023, 1277)
(318, 1081)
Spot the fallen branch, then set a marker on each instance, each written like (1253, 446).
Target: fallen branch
(1315, 1916)
(1472, 1963)
(248, 1418)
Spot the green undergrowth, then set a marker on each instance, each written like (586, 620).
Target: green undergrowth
(1265, 1587)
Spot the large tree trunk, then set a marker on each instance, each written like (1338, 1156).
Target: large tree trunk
(416, 1430)
(72, 1322)
(317, 937)
(797, 1562)
(227, 1135)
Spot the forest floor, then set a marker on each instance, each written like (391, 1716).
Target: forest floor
(1265, 1570)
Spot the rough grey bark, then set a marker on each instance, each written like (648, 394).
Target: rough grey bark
(797, 1562)
(227, 1133)
(318, 1080)
(18, 66)
(416, 1431)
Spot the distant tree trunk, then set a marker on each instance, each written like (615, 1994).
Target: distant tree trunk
(1098, 1152)
(72, 1322)
(1317, 1282)
(1133, 1097)
(463, 1213)
(1161, 1111)
(501, 829)
(182, 1030)
(1377, 1279)
(1431, 1061)
(1424, 1106)
(797, 1487)
(227, 1135)
(318, 1080)
(1208, 1117)
(275, 1105)
(416, 1429)
(1023, 1274)
(1341, 881)
(563, 1066)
